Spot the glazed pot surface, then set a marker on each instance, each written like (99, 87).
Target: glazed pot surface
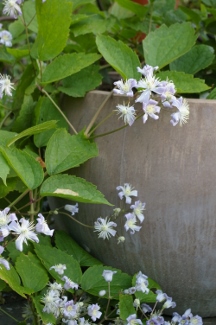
(173, 169)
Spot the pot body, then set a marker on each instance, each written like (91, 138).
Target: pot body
(173, 169)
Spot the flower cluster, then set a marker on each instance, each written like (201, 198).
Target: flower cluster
(104, 226)
(153, 94)
(23, 229)
(69, 311)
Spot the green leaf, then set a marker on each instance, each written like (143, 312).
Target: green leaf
(25, 166)
(136, 8)
(126, 306)
(67, 244)
(198, 58)
(77, 85)
(11, 277)
(31, 271)
(93, 281)
(65, 151)
(119, 56)
(46, 111)
(66, 65)
(29, 13)
(53, 28)
(166, 44)
(78, 3)
(212, 94)
(11, 186)
(16, 28)
(25, 118)
(4, 170)
(5, 56)
(185, 83)
(73, 188)
(17, 53)
(51, 256)
(33, 130)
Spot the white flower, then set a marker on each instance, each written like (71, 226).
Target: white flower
(151, 109)
(104, 227)
(108, 275)
(93, 312)
(72, 208)
(5, 85)
(71, 310)
(126, 191)
(11, 8)
(127, 113)
(161, 296)
(52, 301)
(147, 86)
(6, 38)
(5, 219)
(2, 260)
(147, 70)
(42, 227)
(142, 283)
(182, 115)
(55, 286)
(25, 231)
(59, 268)
(138, 209)
(131, 223)
(125, 88)
(132, 320)
(102, 293)
(69, 284)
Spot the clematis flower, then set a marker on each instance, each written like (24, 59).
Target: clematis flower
(132, 320)
(151, 109)
(93, 312)
(3, 261)
(42, 227)
(72, 208)
(127, 113)
(5, 219)
(126, 191)
(147, 70)
(138, 209)
(69, 284)
(131, 223)
(142, 282)
(12, 8)
(125, 87)
(108, 275)
(146, 86)
(182, 115)
(6, 38)
(25, 231)
(59, 268)
(5, 85)
(105, 228)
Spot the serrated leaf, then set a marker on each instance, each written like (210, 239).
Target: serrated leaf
(126, 306)
(51, 256)
(11, 277)
(17, 53)
(67, 244)
(29, 12)
(4, 170)
(33, 130)
(26, 167)
(66, 65)
(11, 186)
(136, 8)
(119, 56)
(185, 83)
(77, 85)
(31, 271)
(73, 188)
(93, 281)
(167, 44)
(53, 28)
(65, 151)
(78, 3)
(198, 58)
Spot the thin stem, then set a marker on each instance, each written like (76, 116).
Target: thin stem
(96, 115)
(82, 224)
(4, 119)
(3, 311)
(58, 108)
(101, 122)
(115, 130)
(19, 198)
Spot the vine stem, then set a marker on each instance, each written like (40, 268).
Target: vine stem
(3, 311)
(58, 108)
(82, 224)
(19, 198)
(96, 114)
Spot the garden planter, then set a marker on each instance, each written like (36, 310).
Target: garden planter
(173, 169)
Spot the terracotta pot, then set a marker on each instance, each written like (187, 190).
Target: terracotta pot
(173, 168)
